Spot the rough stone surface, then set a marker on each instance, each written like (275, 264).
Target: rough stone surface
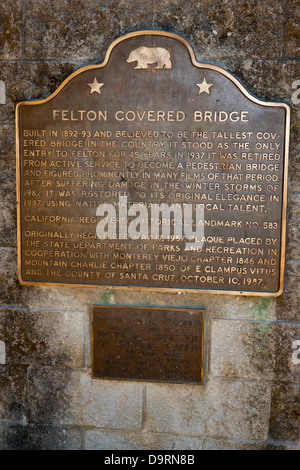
(257, 350)
(39, 80)
(11, 29)
(7, 142)
(252, 74)
(294, 166)
(219, 29)
(228, 306)
(12, 393)
(293, 229)
(221, 444)
(7, 155)
(8, 216)
(292, 30)
(288, 304)
(77, 399)
(285, 414)
(11, 293)
(97, 440)
(291, 77)
(48, 400)
(21, 437)
(228, 408)
(54, 33)
(219, 305)
(7, 170)
(43, 337)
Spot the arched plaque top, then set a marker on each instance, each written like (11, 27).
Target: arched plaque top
(167, 65)
(152, 170)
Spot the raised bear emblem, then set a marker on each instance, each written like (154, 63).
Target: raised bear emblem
(145, 56)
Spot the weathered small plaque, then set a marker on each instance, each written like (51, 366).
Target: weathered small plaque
(155, 344)
(153, 170)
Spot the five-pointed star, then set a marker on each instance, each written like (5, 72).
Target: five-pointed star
(95, 86)
(204, 86)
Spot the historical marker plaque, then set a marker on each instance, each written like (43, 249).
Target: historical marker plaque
(153, 170)
(156, 344)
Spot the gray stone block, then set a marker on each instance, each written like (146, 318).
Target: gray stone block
(291, 69)
(218, 305)
(241, 349)
(8, 216)
(294, 158)
(66, 397)
(7, 155)
(222, 444)
(43, 337)
(225, 29)
(114, 440)
(223, 408)
(288, 304)
(27, 437)
(13, 393)
(292, 29)
(11, 293)
(265, 79)
(8, 170)
(85, 34)
(11, 29)
(285, 415)
(8, 143)
(36, 80)
(293, 226)
(71, 298)
(254, 350)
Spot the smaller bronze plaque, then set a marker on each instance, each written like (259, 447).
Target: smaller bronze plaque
(153, 344)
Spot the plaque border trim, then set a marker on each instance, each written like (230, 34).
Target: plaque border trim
(153, 308)
(198, 65)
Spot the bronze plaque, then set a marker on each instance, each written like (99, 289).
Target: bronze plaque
(156, 344)
(153, 170)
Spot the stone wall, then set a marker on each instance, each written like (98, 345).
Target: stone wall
(48, 400)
